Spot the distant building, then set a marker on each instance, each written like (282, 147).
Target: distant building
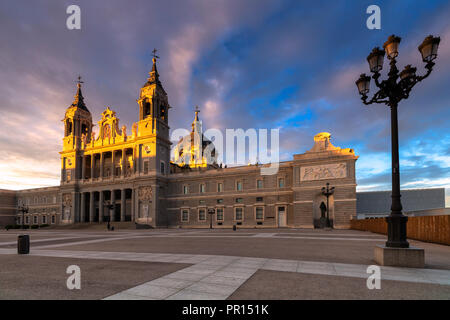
(7, 207)
(378, 203)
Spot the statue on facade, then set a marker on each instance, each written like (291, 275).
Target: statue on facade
(83, 139)
(134, 130)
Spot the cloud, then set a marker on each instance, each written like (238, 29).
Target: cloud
(252, 64)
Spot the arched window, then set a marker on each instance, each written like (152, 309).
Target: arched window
(84, 128)
(162, 112)
(68, 127)
(146, 109)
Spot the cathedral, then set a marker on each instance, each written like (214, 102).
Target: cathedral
(118, 176)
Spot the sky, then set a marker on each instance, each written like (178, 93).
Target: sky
(290, 65)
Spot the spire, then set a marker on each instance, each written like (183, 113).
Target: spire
(196, 124)
(153, 75)
(78, 101)
(197, 110)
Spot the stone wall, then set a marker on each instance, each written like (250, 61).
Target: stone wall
(7, 207)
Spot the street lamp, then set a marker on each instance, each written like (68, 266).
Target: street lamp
(23, 209)
(327, 191)
(391, 91)
(110, 206)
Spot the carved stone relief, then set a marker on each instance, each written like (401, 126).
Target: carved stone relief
(145, 193)
(322, 172)
(67, 200)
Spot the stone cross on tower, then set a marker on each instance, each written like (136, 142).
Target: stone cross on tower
(197, 110)
(79, 82)
(154, 54)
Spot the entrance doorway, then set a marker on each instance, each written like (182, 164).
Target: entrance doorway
(282, 219)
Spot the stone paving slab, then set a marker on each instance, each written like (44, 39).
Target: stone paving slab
(235, 267)
(213, 276)
(194, 295)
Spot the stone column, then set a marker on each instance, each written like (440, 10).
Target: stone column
(101, 165)
(83, 207)
(62, 212)
(132, 205)
(122, 173)
(83, 168)
(100, 207)
(113, 202)
(113, 166)
(73, 209)
(134, 160)
(123, 204)
(92, 165)
(91, 207)
(138, 160)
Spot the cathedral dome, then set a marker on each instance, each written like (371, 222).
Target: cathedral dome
(195, 150)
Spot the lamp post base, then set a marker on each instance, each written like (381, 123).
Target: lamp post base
(397, 231)
(400, 257)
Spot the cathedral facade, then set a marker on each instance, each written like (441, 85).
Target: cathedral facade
(120, 176)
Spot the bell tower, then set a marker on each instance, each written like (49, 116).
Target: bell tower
(153, 125)
(153, 105)
(77, 133)
(77, 122)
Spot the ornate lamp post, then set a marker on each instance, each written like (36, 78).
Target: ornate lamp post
(23, 209)
(327, 191)
(110, 206)
(390, 92)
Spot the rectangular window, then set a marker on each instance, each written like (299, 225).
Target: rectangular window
(281, 183)
(259, 184)
(219, 200)
(53, 219)
(238, 200)
(239, 185)
(201, 214)
(162, 167)
(238, 214)
(44, 219)
(259, 213)
(35, 219)
(27, 220)
(219, 212)
(259, 199)
(145, 167)
(219, 187)
(185, 190)
(202, 188)
(68, 175)
(185, 215)
(201, 201)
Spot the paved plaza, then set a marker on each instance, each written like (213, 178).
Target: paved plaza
(208, 264)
